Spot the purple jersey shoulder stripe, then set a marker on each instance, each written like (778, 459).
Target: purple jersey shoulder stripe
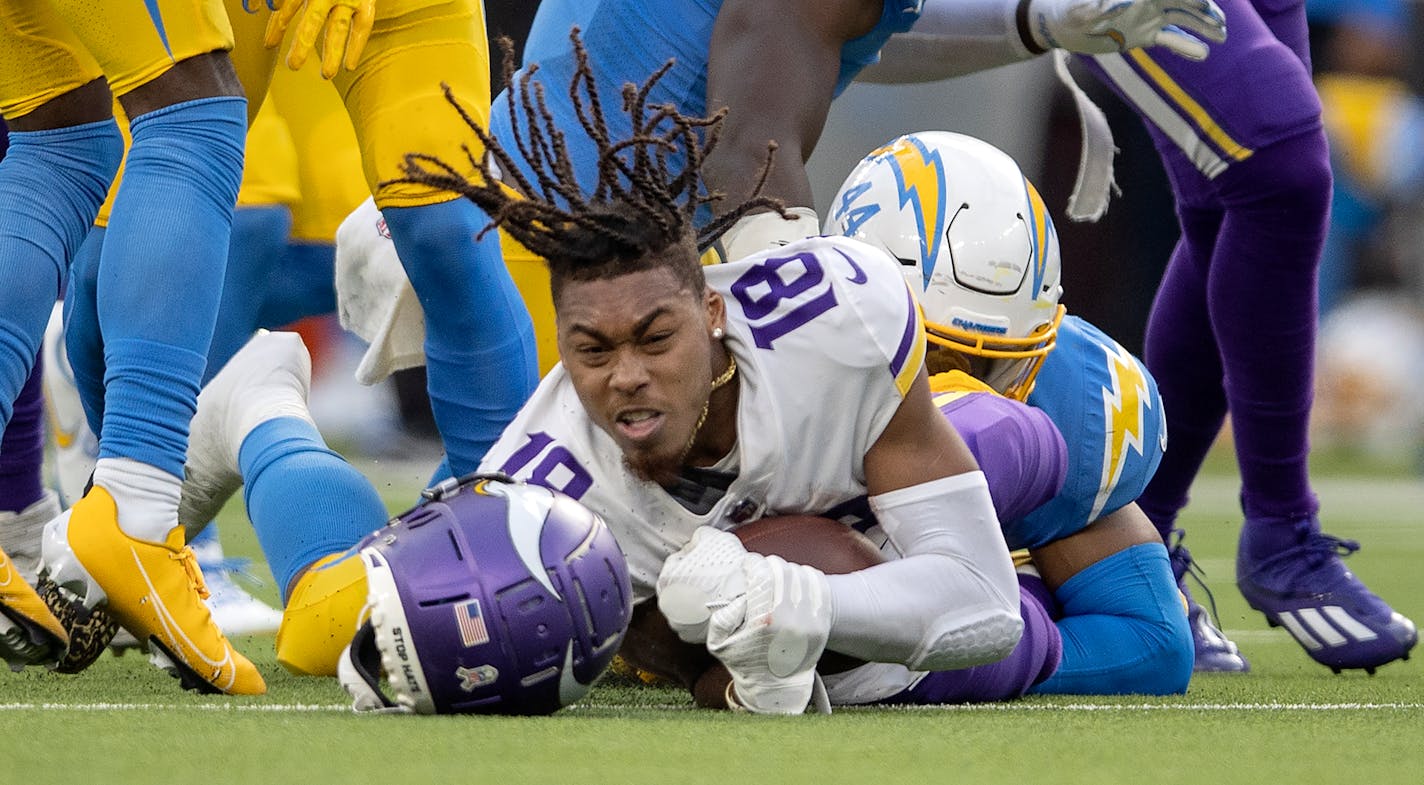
(910, 355)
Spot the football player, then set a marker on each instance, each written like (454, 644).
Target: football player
(476, 324)
(977, 242)
(398, 62)
(676, 414)
(167, 64)
(279, 269)
(682, 406)
(1232, 328)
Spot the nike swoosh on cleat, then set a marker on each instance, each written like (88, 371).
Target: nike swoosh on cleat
(170, 625)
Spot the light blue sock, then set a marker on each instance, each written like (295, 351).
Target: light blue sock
(305, 287)
(259, 239)
(1124, 628)
(51, 185)
(82, 342)
(161, 274)
(305, 501)
(481, 361)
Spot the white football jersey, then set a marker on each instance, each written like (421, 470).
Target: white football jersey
(827, 337)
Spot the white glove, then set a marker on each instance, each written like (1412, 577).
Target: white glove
(1105, 26)
(771, 637)
(706, 574)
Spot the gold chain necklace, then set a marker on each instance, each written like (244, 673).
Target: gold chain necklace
(717, 384)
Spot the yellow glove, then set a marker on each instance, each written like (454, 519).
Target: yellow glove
(347, 25)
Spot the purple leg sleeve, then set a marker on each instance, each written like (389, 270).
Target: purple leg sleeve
(22, 449)
(1236, 316)
(1033, 660)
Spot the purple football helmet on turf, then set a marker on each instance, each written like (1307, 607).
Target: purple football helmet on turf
(491, 596)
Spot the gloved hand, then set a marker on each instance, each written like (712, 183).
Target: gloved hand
(771, 637)
(704, 575)
(347, 25)
(1105, 26)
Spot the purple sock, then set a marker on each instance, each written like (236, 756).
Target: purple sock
(1252, 283)
(1034, 659)
(22, 448)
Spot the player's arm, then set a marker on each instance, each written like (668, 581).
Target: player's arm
(952, 600)
(964, 36)
(774, 66)
(1019, 449)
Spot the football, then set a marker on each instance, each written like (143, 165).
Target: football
(829, 546)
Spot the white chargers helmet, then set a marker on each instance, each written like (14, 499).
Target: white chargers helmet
(976, 242)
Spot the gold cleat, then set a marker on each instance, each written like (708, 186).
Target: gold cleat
(29, 633)
(154, 590)
(322, 614)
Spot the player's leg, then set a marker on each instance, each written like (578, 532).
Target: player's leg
(1123, 623)
(22, 453)
(63, 149)
(25, 504)
(159, 278)
(1261, 292)
(25, 507)
(476, 324)
(1180, 350)
(1032, 661)
(260, 230)
(307, 505)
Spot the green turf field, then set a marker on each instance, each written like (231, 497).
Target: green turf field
(1290, 721)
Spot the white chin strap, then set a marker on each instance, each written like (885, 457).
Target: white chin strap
(361, 679)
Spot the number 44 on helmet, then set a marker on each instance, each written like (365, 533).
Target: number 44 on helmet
(489, 597)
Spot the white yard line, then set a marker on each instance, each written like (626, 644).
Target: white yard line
(977, 707)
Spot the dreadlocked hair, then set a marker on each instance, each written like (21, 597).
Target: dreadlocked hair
(637, 211)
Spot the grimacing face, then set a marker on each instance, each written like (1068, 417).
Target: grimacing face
(638, 349)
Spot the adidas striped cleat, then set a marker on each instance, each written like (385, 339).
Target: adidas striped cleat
(1213, 652)
(155, 590)
(29, 633)
(1308, 590)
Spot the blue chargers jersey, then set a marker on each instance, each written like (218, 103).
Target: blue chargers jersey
(627, 40)
(1105, 403)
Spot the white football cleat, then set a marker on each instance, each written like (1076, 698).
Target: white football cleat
(269, 377)
(76, 448)
(20, 534)
(235, 610)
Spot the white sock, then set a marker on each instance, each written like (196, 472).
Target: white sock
(146, 496)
